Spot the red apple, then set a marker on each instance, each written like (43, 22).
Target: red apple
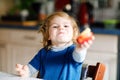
(85, 36)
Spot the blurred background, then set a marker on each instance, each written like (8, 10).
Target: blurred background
(20, 20)
(101, 12)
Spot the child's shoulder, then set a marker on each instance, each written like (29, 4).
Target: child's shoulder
(43, 49)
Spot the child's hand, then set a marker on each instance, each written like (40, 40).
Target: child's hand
(86, 44)
(85, 36)
(22, 70)
(85, 39)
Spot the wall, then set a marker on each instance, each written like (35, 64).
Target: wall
(5, 5)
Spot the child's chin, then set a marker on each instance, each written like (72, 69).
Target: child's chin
(63, 40)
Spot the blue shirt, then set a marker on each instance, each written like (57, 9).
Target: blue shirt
(58, 65)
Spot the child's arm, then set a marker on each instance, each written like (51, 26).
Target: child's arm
(80, 51)
(22, 70)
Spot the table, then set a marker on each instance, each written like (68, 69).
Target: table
(7, 76)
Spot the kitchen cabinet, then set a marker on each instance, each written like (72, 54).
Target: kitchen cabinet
(3, 50)
(21, 54)
(17, 46)
(3, 58)
(104, 50)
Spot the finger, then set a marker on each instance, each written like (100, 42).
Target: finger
(93, 37)
(90, 42)
(17, 69)
(21, 73)
(19, 66)
(85, 45)
(25, 68)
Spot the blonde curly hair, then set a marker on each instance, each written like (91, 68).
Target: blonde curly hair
(44, 28)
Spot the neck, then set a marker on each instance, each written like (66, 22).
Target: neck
(63, 44)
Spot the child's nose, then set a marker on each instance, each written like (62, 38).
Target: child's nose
(61, 27)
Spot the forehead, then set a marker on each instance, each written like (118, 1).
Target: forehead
(60, 19)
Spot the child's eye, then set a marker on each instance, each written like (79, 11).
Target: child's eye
(66, 26)
(54, 26)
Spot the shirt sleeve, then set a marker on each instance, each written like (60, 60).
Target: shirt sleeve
(79, 56)
(32, 70)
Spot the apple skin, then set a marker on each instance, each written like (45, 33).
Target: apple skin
(85, 37)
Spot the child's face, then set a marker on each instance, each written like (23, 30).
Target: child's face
(60, 30)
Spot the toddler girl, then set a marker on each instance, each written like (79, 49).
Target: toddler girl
(61, 57)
